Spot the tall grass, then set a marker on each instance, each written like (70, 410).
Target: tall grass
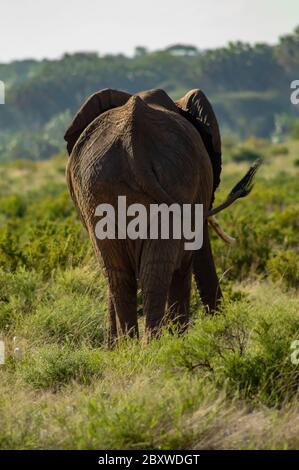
(227, 383)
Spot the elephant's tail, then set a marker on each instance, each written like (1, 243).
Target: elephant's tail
(241, 189)
(220, 232)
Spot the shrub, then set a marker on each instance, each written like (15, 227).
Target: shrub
(284, 265)
(246, 154)
(41, 232)
(53, 367)
(18, 296)
(67, 319)
(295, 129)
(279, 150)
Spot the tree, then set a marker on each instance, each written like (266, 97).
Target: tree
(140, 51)
(287, 51)
(182, 49)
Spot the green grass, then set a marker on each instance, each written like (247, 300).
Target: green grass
(227, 383)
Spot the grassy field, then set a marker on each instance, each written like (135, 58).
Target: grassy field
(227, 383)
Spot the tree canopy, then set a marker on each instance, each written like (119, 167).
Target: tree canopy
(247, 84)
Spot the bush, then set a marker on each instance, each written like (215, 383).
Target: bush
(67, 319)
(53, 367)
(228, 372)
(245, 154)
(41, 232)
(295, 130)
(279, 150)
(284, 266)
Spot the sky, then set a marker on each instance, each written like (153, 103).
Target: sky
(50, 28)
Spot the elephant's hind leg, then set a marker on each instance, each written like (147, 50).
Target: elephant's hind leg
(179, 297)
(156, 272)
(123, 288)
(206, 276)
(112, 326)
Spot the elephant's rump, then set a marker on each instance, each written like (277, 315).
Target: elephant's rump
(154, 152)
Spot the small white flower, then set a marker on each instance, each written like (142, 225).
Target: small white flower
(17, 354)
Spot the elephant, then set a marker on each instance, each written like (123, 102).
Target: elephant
(150, 149)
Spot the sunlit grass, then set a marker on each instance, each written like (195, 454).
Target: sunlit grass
(227, 383)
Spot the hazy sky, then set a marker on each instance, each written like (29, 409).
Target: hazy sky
(48, 28)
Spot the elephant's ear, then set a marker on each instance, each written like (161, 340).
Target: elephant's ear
(196, 107)
(95, 105)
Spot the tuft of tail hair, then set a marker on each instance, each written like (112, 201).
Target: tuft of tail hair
(241, 189)
(245, 185)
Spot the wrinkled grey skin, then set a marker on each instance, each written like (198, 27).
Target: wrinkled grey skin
(142, 147)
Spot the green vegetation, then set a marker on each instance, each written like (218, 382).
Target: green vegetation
(227, 383)
(253, 81)
(244, 154)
